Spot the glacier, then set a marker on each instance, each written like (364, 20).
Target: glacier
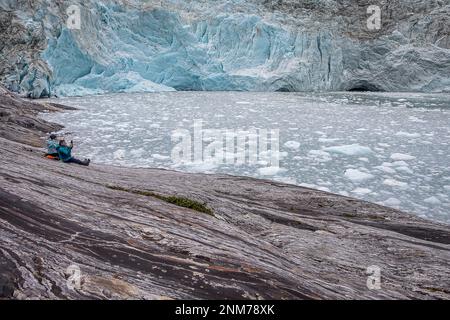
(147, 46)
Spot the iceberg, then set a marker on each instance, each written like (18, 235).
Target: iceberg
(293, 145)
(350, 150)
(270, 171)
(395, 183)
(357, 175)
(402, 157)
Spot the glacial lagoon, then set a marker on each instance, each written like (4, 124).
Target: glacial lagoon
(388, 148)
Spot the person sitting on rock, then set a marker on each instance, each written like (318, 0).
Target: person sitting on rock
(52, 145)
(65, 154)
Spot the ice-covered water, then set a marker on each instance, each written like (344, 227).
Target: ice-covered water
(393, 149)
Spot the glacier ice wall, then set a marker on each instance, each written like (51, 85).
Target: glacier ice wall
(228, 52)
(134, 46)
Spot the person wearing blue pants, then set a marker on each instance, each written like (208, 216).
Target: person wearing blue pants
(65, 154)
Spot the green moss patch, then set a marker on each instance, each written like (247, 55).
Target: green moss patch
(178, 201)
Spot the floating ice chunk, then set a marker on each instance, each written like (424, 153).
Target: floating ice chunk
(404, 169)
(350, 150)
(322, 188)
(395, 183)
(407, 134)
(402, 157)
(119, 154)
(319, 155)
(137, 152)
(325, 140)
(415, 119)
(270, 155)
(384, 145)
(362, 191)
(270, 171)
(399, 164)
(357, 176)
(294, 145)
(160, 157)
(392, 202)
(386, 169)
(432, 200)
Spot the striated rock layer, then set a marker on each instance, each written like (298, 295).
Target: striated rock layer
(257, 45)
(263, 240)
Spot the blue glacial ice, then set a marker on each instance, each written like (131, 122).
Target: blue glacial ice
(133, 46)
(155, 51)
